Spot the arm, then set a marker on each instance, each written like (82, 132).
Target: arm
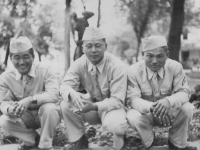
(51, 89)
(134, 93)
(118, 87)
(71, 81)
(180, 87)
(6, 97)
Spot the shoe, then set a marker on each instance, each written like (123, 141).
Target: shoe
(173, 147)
(47, 148)
(82, 143)
(25, 147)
(125, 143)
(154, 137)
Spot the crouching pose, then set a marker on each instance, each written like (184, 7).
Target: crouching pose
(28, 93)
(158, 95)
(104, 77)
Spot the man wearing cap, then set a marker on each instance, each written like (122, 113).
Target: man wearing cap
(28, 94)
(158, 95)
(104, 78)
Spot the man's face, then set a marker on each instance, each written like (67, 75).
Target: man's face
(94, 50)
(155, 59)
(22, 62)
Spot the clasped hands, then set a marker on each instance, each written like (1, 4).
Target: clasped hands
(18, 108)
(82, 102)
(160, 110)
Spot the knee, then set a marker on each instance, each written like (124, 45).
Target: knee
(187, 110)
(118, 128)
(133, 117)
(4, 122)
(49, 109)
(64, 106)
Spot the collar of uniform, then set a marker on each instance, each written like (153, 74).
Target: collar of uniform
(100, 65)
(150, 73)
(30, 73)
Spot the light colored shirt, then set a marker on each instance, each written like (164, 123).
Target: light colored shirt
(173, 86)
(112, 79)
(41, 82)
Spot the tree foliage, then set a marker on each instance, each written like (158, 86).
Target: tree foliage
(21, 16)
(177, 20)
(143, 13)
(192, 16)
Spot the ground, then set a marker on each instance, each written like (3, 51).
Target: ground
(99, 136)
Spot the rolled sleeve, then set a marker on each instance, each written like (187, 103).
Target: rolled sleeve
(109, 104)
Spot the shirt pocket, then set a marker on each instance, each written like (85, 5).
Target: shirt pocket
(147, 94)
(165, 91)
(89, 89)
(17, 96)
(105, 92)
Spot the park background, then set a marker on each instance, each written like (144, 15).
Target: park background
(124, 23)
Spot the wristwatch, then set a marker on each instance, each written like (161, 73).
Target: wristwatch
(34, 100)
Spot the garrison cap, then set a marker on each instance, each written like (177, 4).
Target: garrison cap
(153, 42)
(92, 33)
(21, 44)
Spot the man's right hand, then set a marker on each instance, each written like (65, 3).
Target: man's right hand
(12, 109)
(76, 99)
(163, 121)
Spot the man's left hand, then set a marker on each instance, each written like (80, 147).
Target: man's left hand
(23, 105)
(161, 108)
(89, 106)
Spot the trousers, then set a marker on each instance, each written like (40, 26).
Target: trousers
(144, 123)
(49, 118)
(114, 120)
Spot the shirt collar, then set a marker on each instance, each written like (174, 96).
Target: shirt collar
(30, 73)
(150, 73)
(99, 66)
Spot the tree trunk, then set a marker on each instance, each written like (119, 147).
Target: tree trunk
(99, 13)
(141, 27)
(67, 36)
(177, 19)
(138, 50)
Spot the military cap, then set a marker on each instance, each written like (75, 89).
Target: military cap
(92, 33)
(21, 44)
(153, 42)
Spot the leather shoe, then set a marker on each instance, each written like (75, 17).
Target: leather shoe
(173, 147)
(47, 148)
(82, 143)
(154, 137)
(125, 143)
(25, 147)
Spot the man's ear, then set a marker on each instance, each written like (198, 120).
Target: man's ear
(106, 46)
(33, 56)
(142, 53)
(167, 53)
(83, 49)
